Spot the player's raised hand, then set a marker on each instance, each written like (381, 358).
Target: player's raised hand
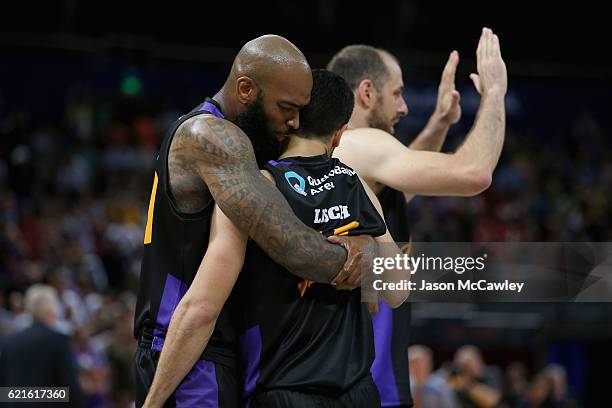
(447, 105)
(492, 75)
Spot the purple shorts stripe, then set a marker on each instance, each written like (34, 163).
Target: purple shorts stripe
(174, 290)
(382, 369)
(250, 350)
(199, 388)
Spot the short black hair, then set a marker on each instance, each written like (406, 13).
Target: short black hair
(355, 63)
(330, 107)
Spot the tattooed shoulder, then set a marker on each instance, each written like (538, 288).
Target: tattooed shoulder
(205, 147)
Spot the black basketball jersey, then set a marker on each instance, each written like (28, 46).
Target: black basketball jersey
(392, 326)
(297, 335)
(174, 245)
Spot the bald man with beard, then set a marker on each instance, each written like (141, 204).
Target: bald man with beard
(185, 354)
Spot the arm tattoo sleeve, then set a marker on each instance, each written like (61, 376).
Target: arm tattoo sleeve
(223, 156)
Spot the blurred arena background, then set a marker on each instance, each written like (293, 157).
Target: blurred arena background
(87, 91)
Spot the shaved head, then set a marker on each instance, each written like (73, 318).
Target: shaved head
(270, 81)
(263, 57)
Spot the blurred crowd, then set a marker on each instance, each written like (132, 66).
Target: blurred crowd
(545, 188)
(467, 382)
(73, 196)
(72, 201)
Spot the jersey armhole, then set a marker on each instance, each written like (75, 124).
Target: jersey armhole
(268, 175)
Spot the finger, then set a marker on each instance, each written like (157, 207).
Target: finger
(343, 274)
(456, 97)
(347, 269)
(353, 268)
(448, 75)
(496, 47)
(476, 79)
(491, 47)
(479, 50)
(334, 239)
(338, 281)
(485, 44)
(355, 278)
(345, 286)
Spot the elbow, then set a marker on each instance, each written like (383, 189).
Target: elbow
(197, 313)
(394, 304)
(396, 300)
(475, 180)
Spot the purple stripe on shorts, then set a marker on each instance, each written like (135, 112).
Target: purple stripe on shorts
(174, 290)
(210, 107)
(250, 350)
(382, 369)
(199, 388)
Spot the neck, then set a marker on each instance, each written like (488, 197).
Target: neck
(358, 119)
(299, 146)
(225, 102)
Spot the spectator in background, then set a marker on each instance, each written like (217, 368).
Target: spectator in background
(515, 384)
(476, 385)
(39, 356)
(120, 352)
(428, 390)
(560, 396)
(539, 393)
(548, 389)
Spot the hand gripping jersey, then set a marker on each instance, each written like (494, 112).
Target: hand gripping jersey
(298, 335)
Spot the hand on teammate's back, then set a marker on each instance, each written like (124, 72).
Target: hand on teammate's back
(361, 251)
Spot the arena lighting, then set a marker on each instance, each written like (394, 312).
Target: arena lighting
(131, 85)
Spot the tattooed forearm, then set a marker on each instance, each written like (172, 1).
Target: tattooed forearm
(222, 155)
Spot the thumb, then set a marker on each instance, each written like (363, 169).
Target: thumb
(456, 97)
(476, 79)
(334, 239)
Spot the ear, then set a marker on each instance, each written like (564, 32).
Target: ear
(246, 90)
(366, 93)
(338, 135)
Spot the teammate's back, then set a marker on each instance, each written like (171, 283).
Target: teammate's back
(295, 334)
(302, 343)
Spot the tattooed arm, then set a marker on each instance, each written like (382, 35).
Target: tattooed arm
(222, 156)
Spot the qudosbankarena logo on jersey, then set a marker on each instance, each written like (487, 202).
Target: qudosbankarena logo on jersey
(494, 272)
(300, 186)
(316, 185)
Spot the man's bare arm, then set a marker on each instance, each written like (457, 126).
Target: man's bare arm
(222, 155)
(389, 249)
(381, 159)
(196, 315)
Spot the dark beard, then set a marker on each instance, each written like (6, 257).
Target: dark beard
(253, 122)
(376, 120)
